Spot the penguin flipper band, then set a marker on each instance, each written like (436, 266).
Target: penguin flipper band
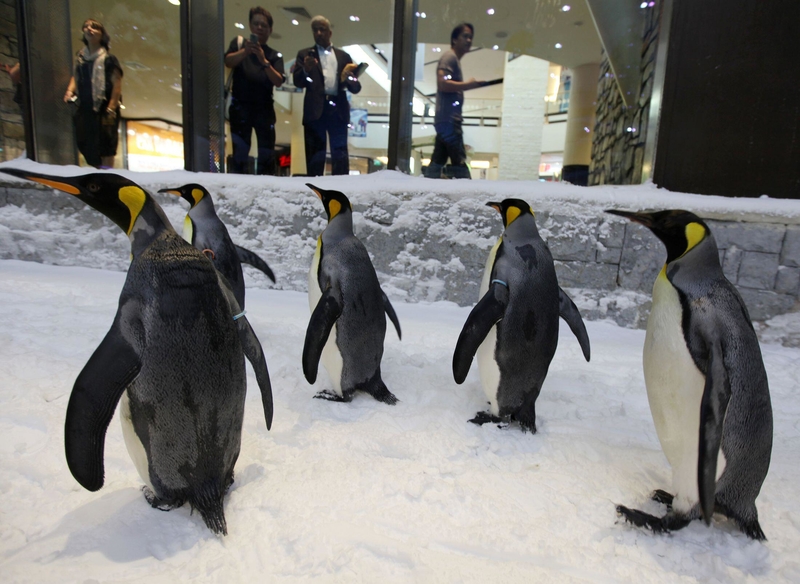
(569, 312)
(109, 371)
(327, 311)
(489, 310)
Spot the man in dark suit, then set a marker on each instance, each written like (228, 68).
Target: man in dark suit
(326, 73)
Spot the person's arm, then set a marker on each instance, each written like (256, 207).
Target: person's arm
(349, 79)
(274, 76)
(71, 89)
(445, 84)
(299, 73)
(235, 55)
(116, 92)
(14, 73)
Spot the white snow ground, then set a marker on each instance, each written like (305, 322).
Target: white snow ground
(364, 491)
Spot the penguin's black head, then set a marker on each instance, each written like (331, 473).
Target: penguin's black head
(115, 196)
(192, 193)
(680, 231)
(334, 201)
(511, 209)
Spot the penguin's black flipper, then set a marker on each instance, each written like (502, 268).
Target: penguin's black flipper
(109, 371)
(480, 321)
(569, 312)
(328, 309)
(716, 395)
(248, 257)
(387, 306)
(255, 354)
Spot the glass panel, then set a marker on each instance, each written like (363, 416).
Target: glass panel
(145, 37)
(359, 37)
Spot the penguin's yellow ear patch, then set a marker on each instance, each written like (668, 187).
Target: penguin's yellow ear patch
(334, 207)
(511, 214)
(133, 198)
(695, 233)
(197, 194)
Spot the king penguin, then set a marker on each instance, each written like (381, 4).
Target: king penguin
(347, 326)
(173, 358)
(205, 231)
(706, 383)
(514, 326)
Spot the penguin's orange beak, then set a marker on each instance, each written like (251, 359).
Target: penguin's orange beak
(315, 189)
(50, 181)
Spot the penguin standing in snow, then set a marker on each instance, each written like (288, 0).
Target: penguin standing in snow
(347, 326)
(174, 358)
(204, 230)
(706, 383)
(514, 326)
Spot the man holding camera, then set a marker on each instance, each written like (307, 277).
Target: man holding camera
(326, 73)
(257, 68)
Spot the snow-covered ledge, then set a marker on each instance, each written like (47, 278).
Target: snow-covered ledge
(429, 239)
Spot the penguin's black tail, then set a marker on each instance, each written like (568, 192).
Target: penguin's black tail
(248, 257)
(208, 501)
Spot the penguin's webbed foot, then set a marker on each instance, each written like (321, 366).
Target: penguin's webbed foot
(747, 522)
(663, 497)
(670, 522)
(157, 503)
(334, 397)
(482, 418)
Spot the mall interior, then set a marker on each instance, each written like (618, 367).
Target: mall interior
(700, 97)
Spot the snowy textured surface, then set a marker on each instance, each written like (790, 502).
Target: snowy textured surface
(364, 491)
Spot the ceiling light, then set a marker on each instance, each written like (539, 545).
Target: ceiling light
(565, 8)
(490, 11)
(485, 164)
(643, 5)
(295, 22)
(423, 15)
(239, 25)
(495, 47)
(175, 2)
(436, 49)
(354, 18)
(559, 45)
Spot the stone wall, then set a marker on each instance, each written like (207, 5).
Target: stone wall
(427, 246)
(12, 133)
(621, 131)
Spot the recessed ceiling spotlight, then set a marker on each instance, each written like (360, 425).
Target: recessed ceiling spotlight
(239, 25)
(559, 45)
(643, 5)
(175, 2)
(566, 8)
(295, 21)
(354, 18)
(423, 15)
(490, 11)
(495, 47)
(436, 49)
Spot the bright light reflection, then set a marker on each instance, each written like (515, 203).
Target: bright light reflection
(239, 25)
(295, 21)
(566, 8)
(495, 47)
(490, 11)
(559, 45)
(354, 18)
(175, 2)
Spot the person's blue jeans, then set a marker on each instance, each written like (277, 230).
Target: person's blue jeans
(449, 144)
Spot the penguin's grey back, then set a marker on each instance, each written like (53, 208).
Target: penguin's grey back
(714, 309)
(187, 402)
(361, 328)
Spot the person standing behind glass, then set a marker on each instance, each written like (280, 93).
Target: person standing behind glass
(96, 90)
(450, 87)
(326, 73)
(257, 68)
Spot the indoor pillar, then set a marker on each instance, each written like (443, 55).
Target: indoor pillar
(580, 124)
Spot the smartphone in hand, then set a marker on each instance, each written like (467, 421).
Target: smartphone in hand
(254, 39)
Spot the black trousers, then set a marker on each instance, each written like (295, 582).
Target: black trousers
(97, 134)
(244, 118)
(332, 126)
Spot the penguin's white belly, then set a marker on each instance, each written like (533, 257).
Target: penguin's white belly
(331, 358)
(489, 370)
(133, 444)
(675, 392)
(487, 365)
